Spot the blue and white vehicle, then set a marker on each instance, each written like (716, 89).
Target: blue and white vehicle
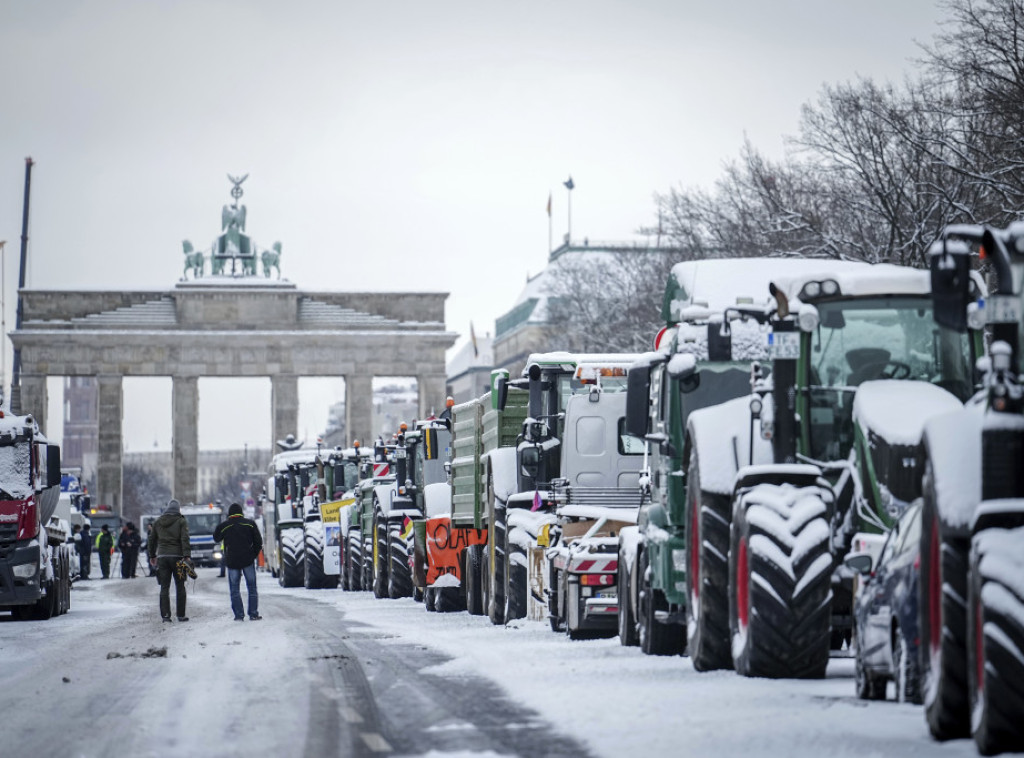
(202, 520)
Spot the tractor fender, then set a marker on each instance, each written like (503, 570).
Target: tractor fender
(953, 448)
(720, 437)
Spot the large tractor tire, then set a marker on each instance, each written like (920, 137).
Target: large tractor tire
(449, 600)
(430, 599)
(380, 557)
(292, 557)
(943, 619)
(495, 556)
(367, 566)
(517, 592)
(354, 561)
(780, 582)
(399, 568)
(708, 516)
(655, 638)
(313, 566)
(556, 600)
(996, 640)
(472, 576)
(628, 634)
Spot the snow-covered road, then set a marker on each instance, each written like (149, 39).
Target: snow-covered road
(334, 673)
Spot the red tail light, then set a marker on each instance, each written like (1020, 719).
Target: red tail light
(597, 580)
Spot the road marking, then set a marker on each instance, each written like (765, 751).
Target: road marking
(375, 742)
(351, 715)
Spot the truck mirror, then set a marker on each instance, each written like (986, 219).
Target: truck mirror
(638, 400)
(530, 461)
(859, 562)
(53, 465)
(951, 282)
(499, 389)
(719, 342)
(502, 387)
(689, 383)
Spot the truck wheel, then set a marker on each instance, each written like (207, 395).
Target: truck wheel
(292, 557)
(366, 567)
(627, 625)
(942, 610)
(430, 599)
(904, 664)
(996, 640)
(448, 600)
(496, 561)
(485, 581)
(313, 565)
(399, 571)
(655, 638)
(516, 580)
(380, 558)
(708, 516)
(869, 686)
(780, 588)
(556, 616)
(474, 599)
(354, 562)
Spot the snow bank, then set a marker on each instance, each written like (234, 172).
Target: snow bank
(897, 410)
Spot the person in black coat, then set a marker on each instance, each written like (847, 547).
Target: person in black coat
(84, 551)
(242, 544)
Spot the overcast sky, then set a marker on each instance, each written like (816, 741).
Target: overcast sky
(391, 145)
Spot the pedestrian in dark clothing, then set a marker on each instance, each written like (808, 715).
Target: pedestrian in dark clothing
(105, 547)
(242, 544)
(168, 544)
(129, 543)
(84, 551)
(150, 552)
(122, 545)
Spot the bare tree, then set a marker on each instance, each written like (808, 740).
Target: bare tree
(144, 492)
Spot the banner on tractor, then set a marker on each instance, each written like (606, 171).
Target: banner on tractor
(330, 514)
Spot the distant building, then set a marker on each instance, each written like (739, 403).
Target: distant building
(526, 328)
(469, 370)
(80, 446)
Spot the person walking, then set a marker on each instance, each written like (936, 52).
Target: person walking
(168, 544)
(122, 545)
(150, 552)
(85, 551)
(242, 544)
(105, 547)
(130, 554)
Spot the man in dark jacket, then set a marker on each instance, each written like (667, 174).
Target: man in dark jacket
(85, 551)
(168, 544)
(105, 548)
(242, 544)
(129, 543)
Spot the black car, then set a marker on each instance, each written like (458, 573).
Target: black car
(885, 613)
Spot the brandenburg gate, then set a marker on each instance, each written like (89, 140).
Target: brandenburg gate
(227, 324)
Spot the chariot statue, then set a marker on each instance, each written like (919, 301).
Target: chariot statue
(233, 245)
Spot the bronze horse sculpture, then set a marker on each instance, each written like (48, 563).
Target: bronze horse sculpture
(194, 260)
(271, 259)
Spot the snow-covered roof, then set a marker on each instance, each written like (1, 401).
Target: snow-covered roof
(283, 460)
(859, 279)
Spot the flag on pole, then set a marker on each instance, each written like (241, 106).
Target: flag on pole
(406, 528)
(549, 205)
(472, 338)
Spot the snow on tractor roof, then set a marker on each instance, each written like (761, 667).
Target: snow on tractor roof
(859, 279)
(897, 410)
(283, 460)
(571, 360)
(717, 284)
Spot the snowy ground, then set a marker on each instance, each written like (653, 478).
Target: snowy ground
(340, 673)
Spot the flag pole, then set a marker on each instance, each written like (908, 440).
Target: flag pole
(550, 238)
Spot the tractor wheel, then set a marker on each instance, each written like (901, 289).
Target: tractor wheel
(996, 640)
(367, 564)
(485, 581)
(628, 635)
(907, 673)
(354, 562)
(708, 516)
(448, 600)
(313, 566)
(495, 557)
(380, 558)
(399, 570)
(943, 620)
(474, 598)
(292, 557)
(556, 600)
(516, 591)
(655, 638)
(430, 599)
(780, 587)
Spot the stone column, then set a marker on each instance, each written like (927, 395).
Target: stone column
(108, 464)
(185, 437)
(34, 398)
(359, 409)
(284, 403)
(431, 389)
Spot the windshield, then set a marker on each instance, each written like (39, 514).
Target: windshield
(865, 339)
(15, 469)
(346, 476)
(202, 523)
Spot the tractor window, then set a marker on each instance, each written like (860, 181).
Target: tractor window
(861, 340)
(718, 382)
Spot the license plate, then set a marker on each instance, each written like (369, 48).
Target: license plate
(609, 593)
(1002, 309)
(784, 345)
